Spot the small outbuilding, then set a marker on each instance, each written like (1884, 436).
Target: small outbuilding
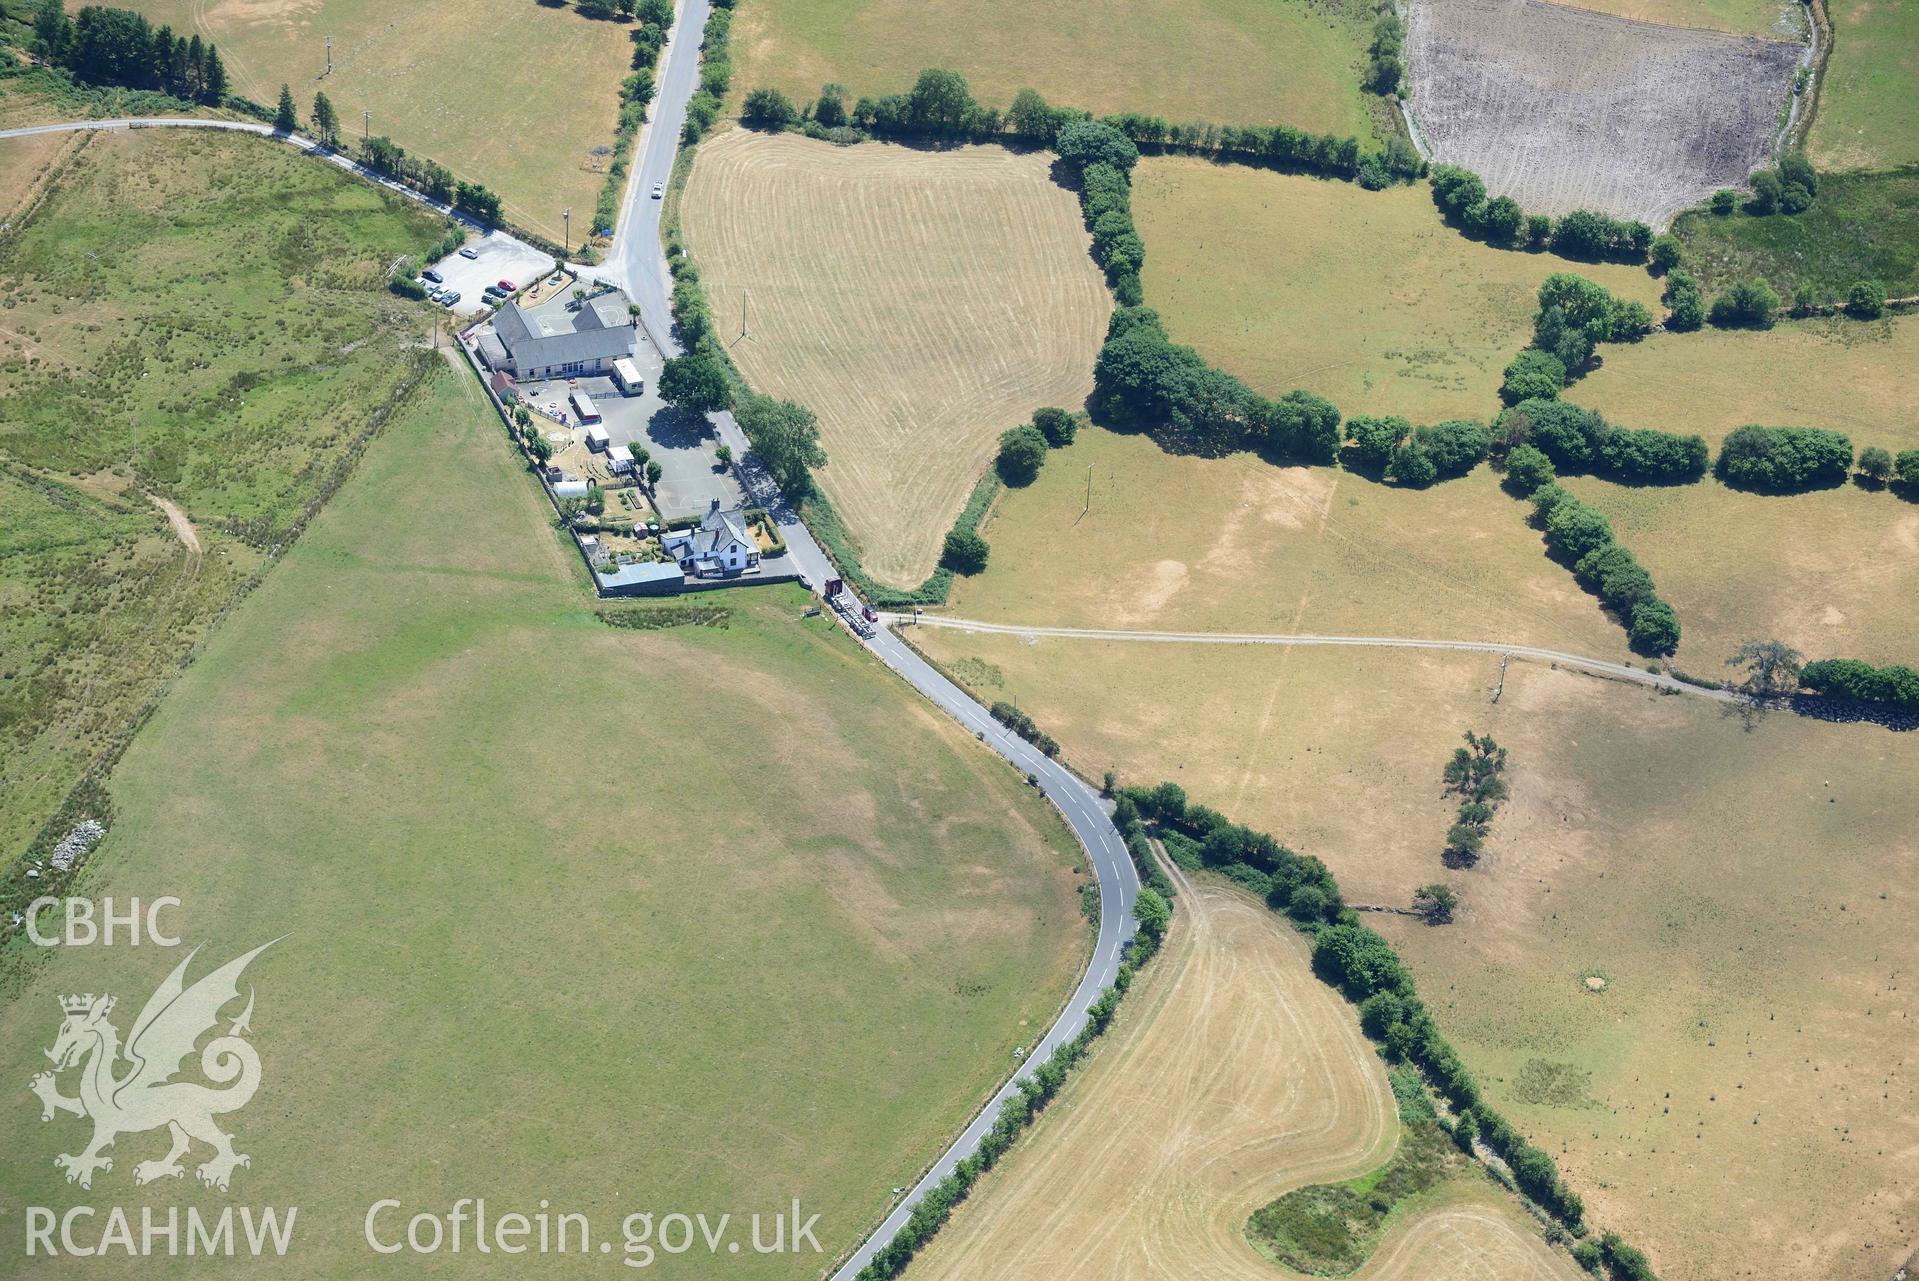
(597, 440)
(619, 459)
(626, 376)
(652, 578)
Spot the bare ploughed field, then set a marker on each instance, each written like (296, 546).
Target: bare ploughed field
(1562, 108)
(1232, 1077)
(920, 302)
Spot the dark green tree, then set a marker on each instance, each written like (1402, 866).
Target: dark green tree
(830, 109)
(1057, 425)
(1022, 451)
(1372, 440)
(1303, 426)
(940, 103)
(1665, 254)
(695, 383)
(287, 118)
(326, 121)
(1867, 300)
(1090, 142)
(786, 437)
(1875, 464)
(964, 551)
(1527, 469)
(1750, 304)
(1655, 628)
(1533, 374)
(767, 108)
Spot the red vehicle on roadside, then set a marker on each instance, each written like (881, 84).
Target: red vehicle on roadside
(507, 287)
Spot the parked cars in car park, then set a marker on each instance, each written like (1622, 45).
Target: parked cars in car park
(469, 252)
(433, 276)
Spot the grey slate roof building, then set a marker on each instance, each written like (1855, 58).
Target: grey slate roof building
(721, 544)
(555, 339)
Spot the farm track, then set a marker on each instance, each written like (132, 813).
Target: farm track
(1233, 1077)
(920, 303)
(1596, 666)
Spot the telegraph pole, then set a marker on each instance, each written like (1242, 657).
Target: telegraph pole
(1089, 490)
(366, 123)
(329, 55)
(746, 303)
(566, 231)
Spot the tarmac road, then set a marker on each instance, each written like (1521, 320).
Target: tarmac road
(636, 262)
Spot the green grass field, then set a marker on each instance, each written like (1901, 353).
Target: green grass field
(1364, 297)
(1739, 887)
(516, 97)
(1861, 227)
(1229, 61)
(701, 919)
(1865, 118)
(192, 317)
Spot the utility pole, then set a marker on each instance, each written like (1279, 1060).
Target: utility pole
(566, 231)
(1089, 490)
(366, 123)
(746, 303)
(329, 55)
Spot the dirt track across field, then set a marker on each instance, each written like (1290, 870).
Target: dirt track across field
(1562, 108)
(182, 527)
(1234, 1076)
(920, 302)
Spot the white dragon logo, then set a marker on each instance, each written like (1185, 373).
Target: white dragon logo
(146, 1096)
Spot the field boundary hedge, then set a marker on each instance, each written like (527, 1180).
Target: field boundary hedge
(940, 106)
(1363, 966)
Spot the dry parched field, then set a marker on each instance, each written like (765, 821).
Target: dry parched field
(1562, 109)
(514, 96)
(1232, 61)
(1741, 1098)
(920, 303)
(1233, 1076)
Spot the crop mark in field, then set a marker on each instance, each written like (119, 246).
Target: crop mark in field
(920, 303)
(1562, 108)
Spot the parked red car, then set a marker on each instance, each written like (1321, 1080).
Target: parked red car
(507, 287)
